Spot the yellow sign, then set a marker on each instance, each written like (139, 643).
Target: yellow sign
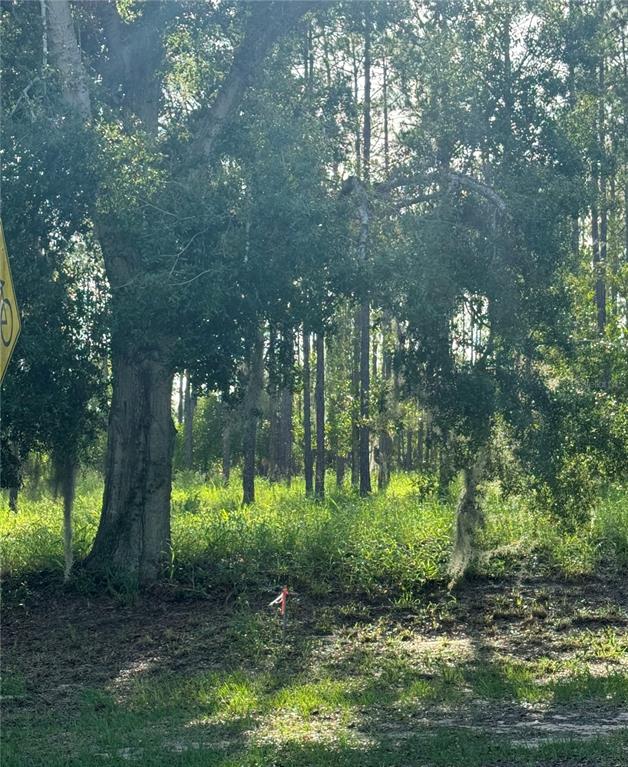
(9, 315)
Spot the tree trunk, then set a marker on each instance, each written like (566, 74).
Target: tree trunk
(308, 463)
(365, 433)
(420, 444)
(181, 399)
(133, 538)
(468, 519)
(226, 444)
(409, 456)
(251, 416)
(285, 433)
(13, 499)
(385, 456)
(68, 488)
(340, 470)
(188, 425)
(355, 409)
(274, 431)
(319, 487)
(364, 316)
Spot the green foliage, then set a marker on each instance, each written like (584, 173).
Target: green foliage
(388, 546)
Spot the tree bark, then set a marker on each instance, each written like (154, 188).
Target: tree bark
(68, 488)
(308, 463)
(14, 494)
(285, 433)
(319, 487)
(364, 316)
(181, 399)
(133, 538)
(251, 416)
(226, 449)
(420, 444)
(188, 424)
(340, 470)
(365, 432)
(468, 519)
(67, 58)
(355, 409)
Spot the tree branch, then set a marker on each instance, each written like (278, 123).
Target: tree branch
(267, 23)
(67, 57)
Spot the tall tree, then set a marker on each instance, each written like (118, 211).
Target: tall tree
(127, 52)
(319, 484)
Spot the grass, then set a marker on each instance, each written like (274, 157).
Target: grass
(373, 694)
(379, 666)
(388, 546)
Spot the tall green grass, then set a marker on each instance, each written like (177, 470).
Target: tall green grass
(387, 545)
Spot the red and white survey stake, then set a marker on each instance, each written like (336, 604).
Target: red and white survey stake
(281, 600)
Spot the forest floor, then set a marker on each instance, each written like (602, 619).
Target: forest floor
(380, 666)
(511, 671)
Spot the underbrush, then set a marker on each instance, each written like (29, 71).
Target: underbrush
(386, 546)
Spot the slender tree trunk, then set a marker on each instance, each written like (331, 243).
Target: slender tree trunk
(600, 287)
(365, 433)
(385, 455)
(274, 432)
(308, 463)
(355, 408)
(409, 457)
(251, 416)
(68, 488)
(598, 237)
(13, 499)
(340, 470)
(364, 317)
(180, 406)
(420, 444)
(285, 433)
(571, 84)
(133, 538)
(188, 425)
(386, 119)
(429, 442)
(226, 443)
(274, 437)
(446, 470)
(319, 487)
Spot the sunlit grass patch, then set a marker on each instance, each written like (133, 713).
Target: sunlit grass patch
(218, 695)
(308, 698)
(611, 688)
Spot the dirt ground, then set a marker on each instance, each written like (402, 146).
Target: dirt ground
(60, 643)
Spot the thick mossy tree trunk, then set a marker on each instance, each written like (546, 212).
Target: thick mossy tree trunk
(469, 519)
(133, 538)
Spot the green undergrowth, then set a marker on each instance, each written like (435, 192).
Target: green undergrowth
(388, 545)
